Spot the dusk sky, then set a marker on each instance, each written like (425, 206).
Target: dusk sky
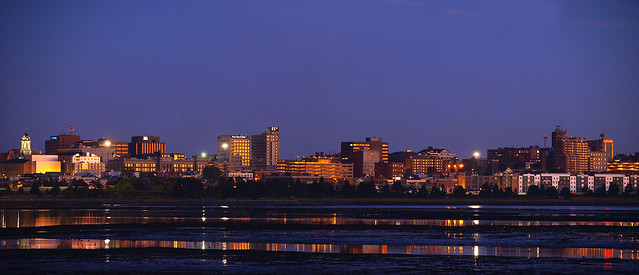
(461, 75)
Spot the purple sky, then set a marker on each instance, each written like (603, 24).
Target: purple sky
(461, 75)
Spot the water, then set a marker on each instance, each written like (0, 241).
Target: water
(461, 235)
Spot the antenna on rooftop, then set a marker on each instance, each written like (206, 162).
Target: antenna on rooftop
(71, 130)
(545, 138)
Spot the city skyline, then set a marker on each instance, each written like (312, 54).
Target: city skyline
(466, 76)
(214, 151)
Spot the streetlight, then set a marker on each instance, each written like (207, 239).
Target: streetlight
(107, 143)
(476, 155)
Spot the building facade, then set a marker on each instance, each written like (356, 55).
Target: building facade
(265, 150)
(146, 145)
(54, 143)
(234, 149)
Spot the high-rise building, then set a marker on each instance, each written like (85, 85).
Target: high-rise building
(575, 155)
(518, 159)
(372, 143)
(234, 149)
(119, 148)
(603, 145)
(143, 145)
(424, 164)
(54, 143)
(265, 149)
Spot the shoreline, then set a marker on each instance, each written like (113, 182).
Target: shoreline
(35, 202)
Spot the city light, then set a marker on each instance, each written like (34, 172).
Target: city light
(107, 143)
(203, 154)
(476, 155)
(225, 145)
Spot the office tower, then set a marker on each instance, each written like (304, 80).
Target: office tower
(234, 149)
(143, 145)
(54, 143)
(602, 145)
(372, 143)
(570, 153)
(265, 149)
(119, 148)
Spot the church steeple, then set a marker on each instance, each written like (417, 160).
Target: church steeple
(25, 144)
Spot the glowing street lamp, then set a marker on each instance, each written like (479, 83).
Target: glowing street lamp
(476, 155)
(107, 143)
(225, 145)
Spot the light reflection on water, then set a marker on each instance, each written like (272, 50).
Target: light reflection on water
(41, 218)
(476, 251)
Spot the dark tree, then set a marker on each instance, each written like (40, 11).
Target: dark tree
(628, 189)
(485, 191)
(613, 190)
(55, 189)
(398, 188)
(35, 188)
(366, 189)
(212, 174)
(600, 192)
(497, 192)
(508, 192)
(533, 191)
(552, 192)
(348, 190)
(459, 191)
(565, 192)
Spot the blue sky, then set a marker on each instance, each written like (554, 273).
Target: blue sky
(461, 75)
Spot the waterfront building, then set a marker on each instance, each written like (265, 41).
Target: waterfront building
(265, 150)
(507, 179)
(235, 150)
(473, 181)
(576, 183)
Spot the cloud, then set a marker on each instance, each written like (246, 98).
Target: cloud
(611, 24)
(454, 12)
(405, 2)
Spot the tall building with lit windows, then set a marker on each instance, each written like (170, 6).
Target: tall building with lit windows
(265, 149)
(372, 143)
(603, 144)
(143, 145)
(54, 143)
(234, 149)
(571, 154)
